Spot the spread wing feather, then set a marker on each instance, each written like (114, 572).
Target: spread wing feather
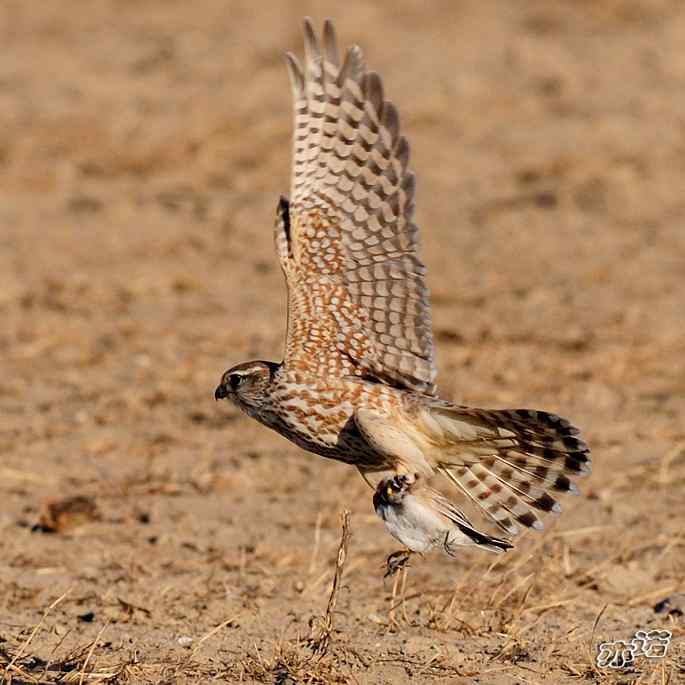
(357, 303)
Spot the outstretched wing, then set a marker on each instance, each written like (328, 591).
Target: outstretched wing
(357, 299)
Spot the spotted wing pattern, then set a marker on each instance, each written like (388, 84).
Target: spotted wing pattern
(357, 300)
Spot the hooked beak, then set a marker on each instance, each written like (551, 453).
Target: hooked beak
(220, 393)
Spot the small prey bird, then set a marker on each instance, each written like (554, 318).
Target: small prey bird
(358, 379)
(423, 519)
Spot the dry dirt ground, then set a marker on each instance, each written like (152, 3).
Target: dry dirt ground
(143, 146)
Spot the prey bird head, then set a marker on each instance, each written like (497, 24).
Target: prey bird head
(246, 384)
(392, 491)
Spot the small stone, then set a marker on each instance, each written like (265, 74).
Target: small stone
(185, 641)
(671, 606)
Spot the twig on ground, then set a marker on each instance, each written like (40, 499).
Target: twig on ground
(593, 667)
(320, 638)
(36, 628)
(211, 633)
(90, 652)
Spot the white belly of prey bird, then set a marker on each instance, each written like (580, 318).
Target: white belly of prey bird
(357, 382)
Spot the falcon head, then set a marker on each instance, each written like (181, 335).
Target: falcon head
(247, 384)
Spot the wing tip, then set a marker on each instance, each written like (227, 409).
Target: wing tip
(294, 72)
(391, 121)
(330, 43)
(311, 42)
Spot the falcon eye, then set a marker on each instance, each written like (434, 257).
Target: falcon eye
(234, 380)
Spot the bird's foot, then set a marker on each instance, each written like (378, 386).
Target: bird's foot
(396, 561)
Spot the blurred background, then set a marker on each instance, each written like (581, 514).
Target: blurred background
(143, 147)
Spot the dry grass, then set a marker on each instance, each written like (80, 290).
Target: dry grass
(505, 613)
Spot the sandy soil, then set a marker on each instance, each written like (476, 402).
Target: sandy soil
(143, 146)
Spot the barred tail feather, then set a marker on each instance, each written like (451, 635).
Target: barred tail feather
(489, 502)
(475, 537)
(508, 461)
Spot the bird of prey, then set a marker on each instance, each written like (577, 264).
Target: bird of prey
(357, 382)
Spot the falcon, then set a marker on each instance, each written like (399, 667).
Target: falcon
(358, 379)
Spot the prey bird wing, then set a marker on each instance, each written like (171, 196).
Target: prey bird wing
(357, 300)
